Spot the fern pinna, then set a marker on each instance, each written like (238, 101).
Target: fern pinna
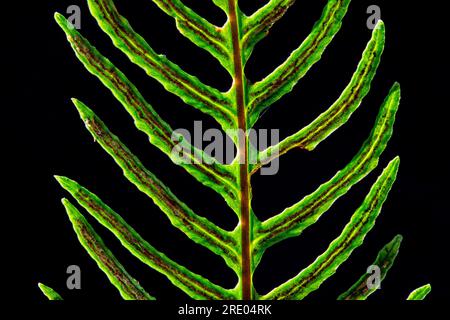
(237, 109)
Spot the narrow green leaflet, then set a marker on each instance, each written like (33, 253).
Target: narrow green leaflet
(385, 259)
(300, 216)
(340, 249)
(257, 26)
(340, 112)
(201, 166)
(197, 29)
(192, 284)
(236, 111)
(197, 228)
(222, 4)
(190, 89)
(49, 292)
(420, 293)
(281, 81)
(128, 287)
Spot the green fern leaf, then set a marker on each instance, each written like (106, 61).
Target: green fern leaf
(195, 28)
(282, 80)
(128, 287)
(339, 113)
(340, 249)
(237, 109)
(171, 76)
(300, 216)
(257, 26)
(197, 228)
(49, 292)
(192, 284)
(384, 260)
(420, 293)
(146, 119)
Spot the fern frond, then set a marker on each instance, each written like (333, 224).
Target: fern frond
(257, 26)
(340, 112)
(198, 164)
(192, 284)
(420, 293)
(340, 249)
(49, 292)
(236, 110)
(189, 88)
(197, 29)
(300, 216)
(197, 228)
(128, 287)
(385, 259)
(281, 81)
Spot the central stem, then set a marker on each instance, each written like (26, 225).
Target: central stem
(245, 220)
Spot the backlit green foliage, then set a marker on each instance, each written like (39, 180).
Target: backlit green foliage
(238, 108)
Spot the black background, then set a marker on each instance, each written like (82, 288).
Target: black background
(57, 143)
